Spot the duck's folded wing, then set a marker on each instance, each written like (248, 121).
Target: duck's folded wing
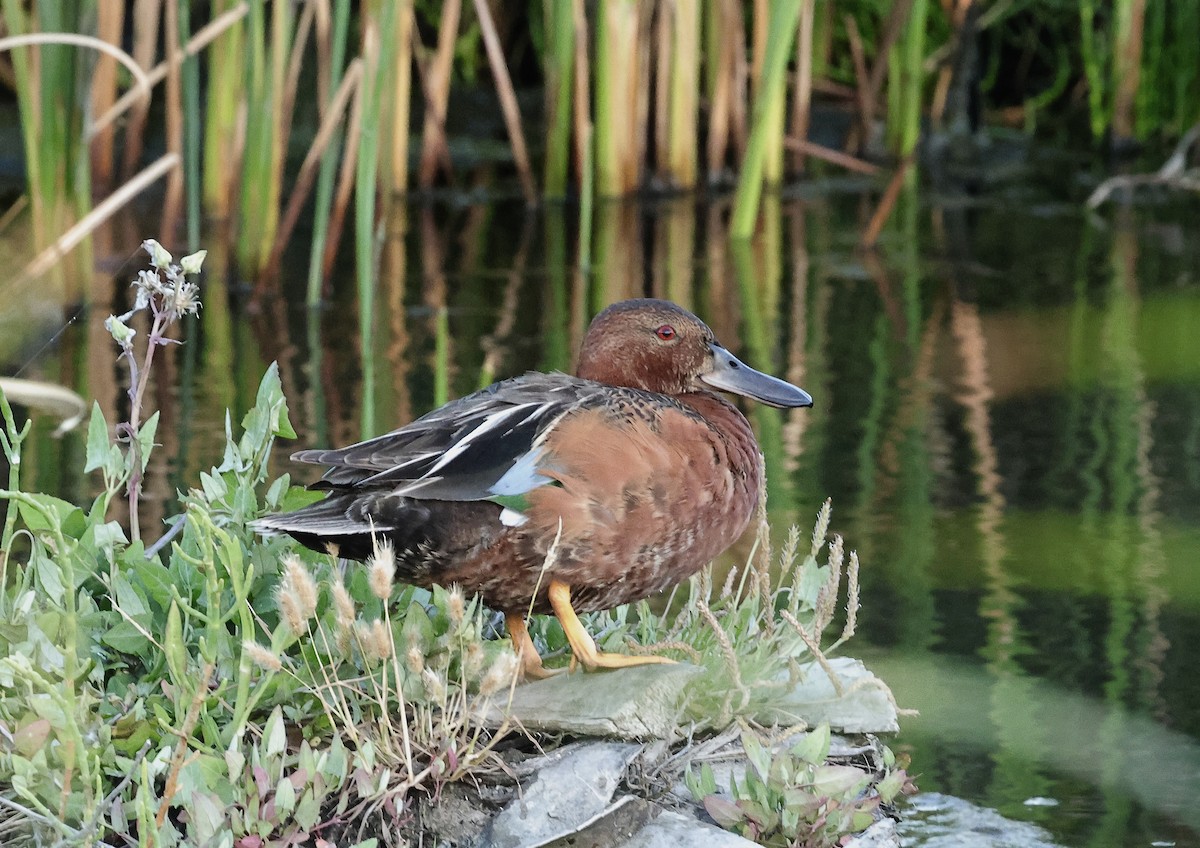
(479, 447)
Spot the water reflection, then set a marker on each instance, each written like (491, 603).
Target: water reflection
(1008, 419)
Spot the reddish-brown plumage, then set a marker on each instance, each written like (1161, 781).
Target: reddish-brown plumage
(641, 508)
(639, 471)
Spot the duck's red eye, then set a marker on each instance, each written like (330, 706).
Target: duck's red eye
(666, 332)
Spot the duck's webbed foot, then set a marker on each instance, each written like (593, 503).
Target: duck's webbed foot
(582, 645)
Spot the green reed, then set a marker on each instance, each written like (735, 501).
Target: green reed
(768, 117)
(619, 131)
(905, 93)
(632, 70)
(558, 64)
(267, 126)
(51, 95)
(329, 160)
(226, 89)
(377, 56)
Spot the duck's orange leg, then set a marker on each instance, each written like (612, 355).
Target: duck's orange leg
(582, 645)
(531, 663)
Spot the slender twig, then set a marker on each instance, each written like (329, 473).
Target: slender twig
(203, 37)
(508, 100)
(308, 171)
(104, 210)
(1172, 173)
(828, 154)
(142, 81)
(165, 538)
(886, 203)
(181, 747)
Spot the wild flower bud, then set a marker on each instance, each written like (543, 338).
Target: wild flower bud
(159, 256)
(192, 263)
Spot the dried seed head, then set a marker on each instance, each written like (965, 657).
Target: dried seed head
(297, 594)
(727, 589)
(343, 606)
(473, 661)
(455, 606)
(414, 658)
(381, 569)
(262, 657)
(434, 687)
(822, 526)
(362, 635)
(380, 640)
(501, 674)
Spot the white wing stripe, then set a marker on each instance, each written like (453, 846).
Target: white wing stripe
(491, 423)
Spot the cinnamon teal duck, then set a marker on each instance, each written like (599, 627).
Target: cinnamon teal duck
(636, 468)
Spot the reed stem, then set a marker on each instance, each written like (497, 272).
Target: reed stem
(329, 159)
(683, 130)
(784, 17)
(618, 129)
(557, 64)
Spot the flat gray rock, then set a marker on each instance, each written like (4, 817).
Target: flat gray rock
(674, 830)
(865, 705)
(640, 702)
(571, 791)
(932, 820)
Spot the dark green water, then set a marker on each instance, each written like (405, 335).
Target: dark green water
(1007, 419)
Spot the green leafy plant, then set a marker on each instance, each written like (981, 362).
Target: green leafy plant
(216, 689)
(794, 798)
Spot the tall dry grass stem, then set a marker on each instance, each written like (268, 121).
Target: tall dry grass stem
(617, 119)
(130, 189)
(400, 101)
(331, 123)
(437, 93)
(508, 100)
(147, 17)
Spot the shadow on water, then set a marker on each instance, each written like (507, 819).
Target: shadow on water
(1007, 417)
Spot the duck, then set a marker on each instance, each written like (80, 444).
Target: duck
(556, 494)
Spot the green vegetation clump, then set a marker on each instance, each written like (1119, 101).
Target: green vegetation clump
(219, 689)
(793, 797)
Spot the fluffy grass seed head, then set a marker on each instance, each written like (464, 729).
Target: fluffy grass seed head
(374, 639)
(473, 660)
(343, 606)
(435, 687)
(264, 658)
(455, 605)
(500, 675)
(821, 528)
(297, 594)
(381, 569)
(414, 657)
(381, 639)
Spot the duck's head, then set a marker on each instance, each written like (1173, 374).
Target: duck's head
(658, 346)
